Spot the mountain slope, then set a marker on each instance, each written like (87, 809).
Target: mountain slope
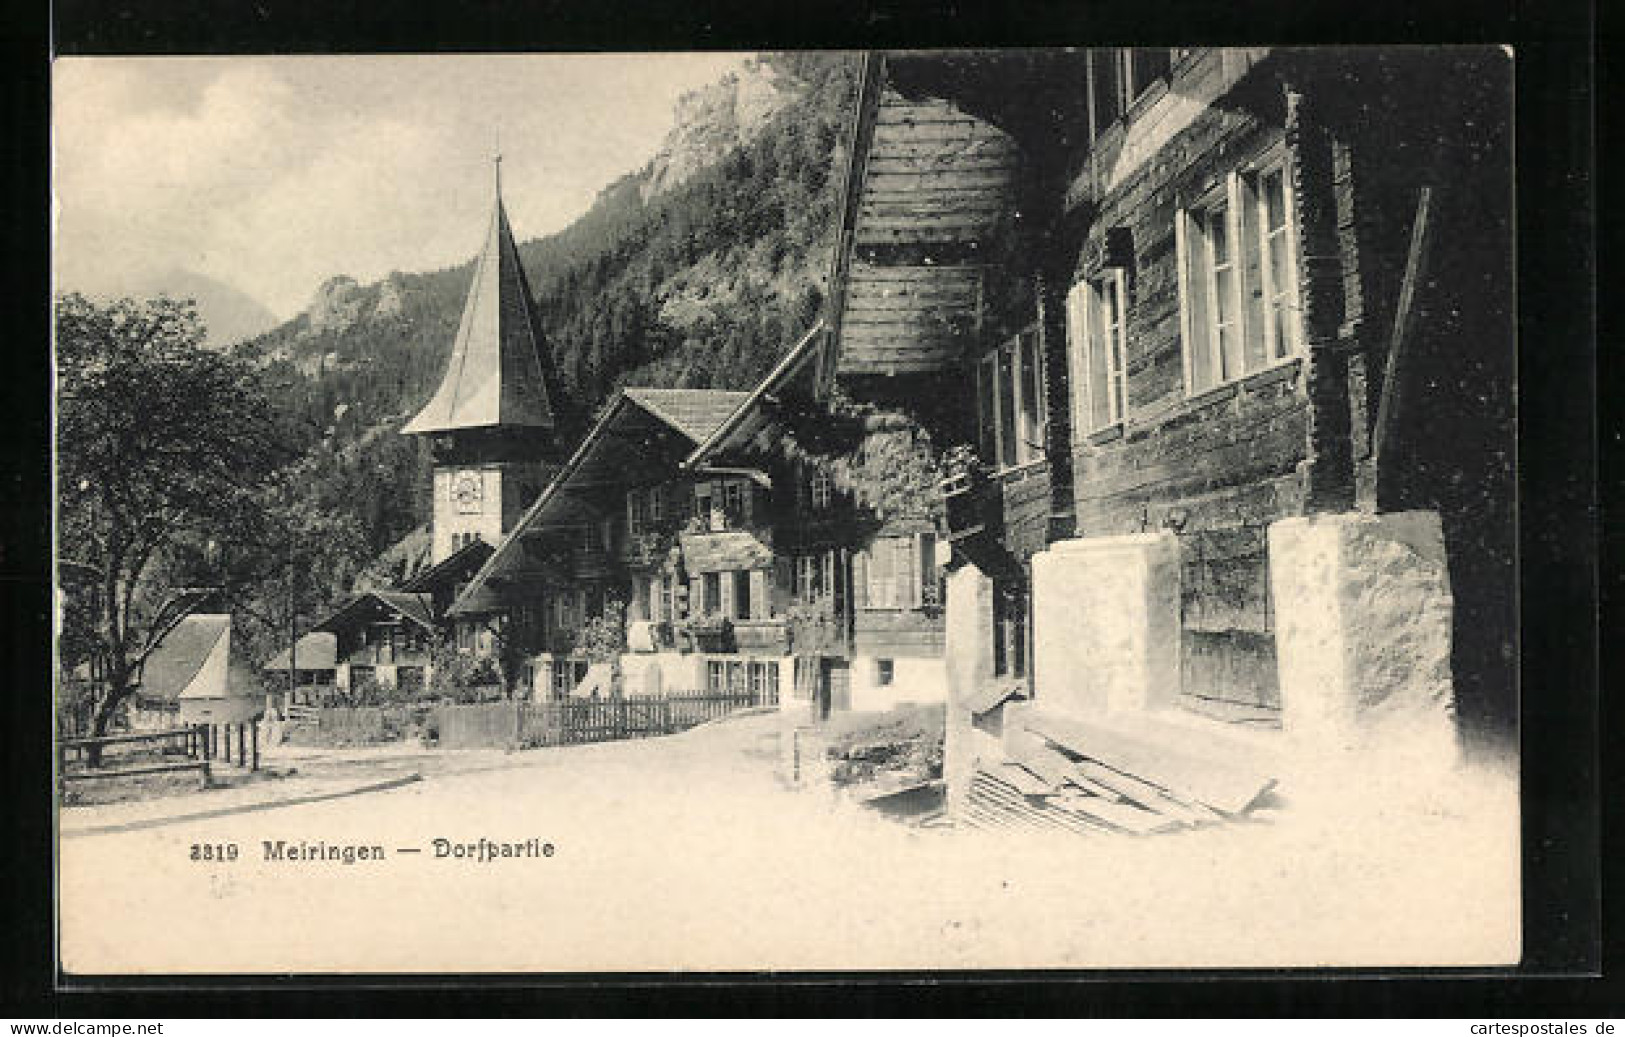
(681, 274)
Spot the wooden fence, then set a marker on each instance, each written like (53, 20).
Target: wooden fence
(566, 721)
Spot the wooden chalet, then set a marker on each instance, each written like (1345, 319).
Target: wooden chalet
(861, 582)
(314, 665)
(688, 560)
(386, 635)
(383, 636)
(1201, 313)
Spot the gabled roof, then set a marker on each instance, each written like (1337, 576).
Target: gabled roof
(181, 654)
(497, 374)
(459, 564)
(415, 608)
(194, 661)
(748, 417)
(692, 413)
(695, 413)
(317, 650)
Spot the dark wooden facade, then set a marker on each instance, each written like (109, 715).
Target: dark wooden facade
(1244, 221)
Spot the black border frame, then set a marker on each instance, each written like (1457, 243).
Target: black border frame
(1558, 498)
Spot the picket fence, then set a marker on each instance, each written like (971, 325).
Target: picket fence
(564, 721)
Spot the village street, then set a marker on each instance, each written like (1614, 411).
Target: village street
(687, 853)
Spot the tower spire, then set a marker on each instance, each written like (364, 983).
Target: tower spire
(496, 161)
(499, 373)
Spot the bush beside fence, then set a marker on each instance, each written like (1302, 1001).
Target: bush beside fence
(359, 725)
(577, 721)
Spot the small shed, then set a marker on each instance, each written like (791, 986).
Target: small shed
(194, 669)
(316, 655)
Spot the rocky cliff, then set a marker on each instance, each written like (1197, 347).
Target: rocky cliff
(711, 121)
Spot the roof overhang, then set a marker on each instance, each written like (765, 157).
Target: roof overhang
(749, 418)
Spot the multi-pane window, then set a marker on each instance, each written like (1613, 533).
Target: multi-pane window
(1010, 402)
(1009, 631)
(741, 595)
(901, 572)
(1142, 67)
(811, 578)
(1238, 280)
(733, 496)
(637, 512)
(564, 610)
(702, 501)
(1280, 275)
(1097, 328)
(820, 490)
(1119, 75)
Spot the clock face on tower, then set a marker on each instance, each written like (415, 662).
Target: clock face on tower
(467, 492)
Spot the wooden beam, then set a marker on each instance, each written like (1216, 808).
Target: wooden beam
(1224, 784)
(1391, 399)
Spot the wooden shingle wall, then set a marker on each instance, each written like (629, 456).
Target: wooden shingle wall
(935, 181)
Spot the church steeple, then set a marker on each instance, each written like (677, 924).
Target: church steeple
(498, 422)
(498, 375)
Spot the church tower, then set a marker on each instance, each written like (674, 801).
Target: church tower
(497, 421)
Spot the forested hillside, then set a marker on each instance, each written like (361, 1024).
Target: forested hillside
(700, 283)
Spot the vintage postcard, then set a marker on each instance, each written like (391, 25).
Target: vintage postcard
(976, 509)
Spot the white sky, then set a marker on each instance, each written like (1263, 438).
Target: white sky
(274, 173)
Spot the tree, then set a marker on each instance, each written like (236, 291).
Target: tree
(161, 445)
(292, 558)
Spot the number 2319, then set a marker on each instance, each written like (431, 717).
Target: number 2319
(214, 851)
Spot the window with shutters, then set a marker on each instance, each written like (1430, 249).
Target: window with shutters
(1238, 280)
(901, 573)
(1097, 338)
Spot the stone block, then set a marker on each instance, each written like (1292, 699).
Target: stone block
(1363, 627)
(968, 655)
(1106, 624)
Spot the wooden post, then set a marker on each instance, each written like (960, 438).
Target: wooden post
(1330, 464)
(1390, 400)
(254, 735)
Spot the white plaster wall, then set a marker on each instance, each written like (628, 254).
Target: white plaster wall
(651, 673)
(448, 521)
(914, 680)
(1363, 630)
(1106, 624)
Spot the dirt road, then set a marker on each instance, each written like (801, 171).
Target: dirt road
(686, 853)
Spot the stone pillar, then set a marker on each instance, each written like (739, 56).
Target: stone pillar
(1106, 624)
(1363, 614)
(968, 652)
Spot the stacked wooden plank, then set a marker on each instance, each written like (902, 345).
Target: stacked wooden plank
(1088, 778)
